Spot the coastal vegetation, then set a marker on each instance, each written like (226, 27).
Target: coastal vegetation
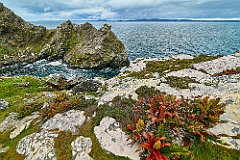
(190, 118)
(165, 66)
(162, 125)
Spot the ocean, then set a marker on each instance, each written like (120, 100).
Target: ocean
(151, 40)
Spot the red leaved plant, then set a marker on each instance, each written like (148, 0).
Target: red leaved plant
(158, 111)
(137, 129)
(153, 146)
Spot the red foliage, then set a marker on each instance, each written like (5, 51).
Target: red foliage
(158, 111)
(154, 145)
(137, 134)
(226, 72)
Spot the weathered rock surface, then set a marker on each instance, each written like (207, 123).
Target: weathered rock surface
(38, 146)
(220, 64)
(81, 147)
(70, 121)
(80, 84)
(57, 81)
(3, 104)
(19, 125)
(81, 46)
(114, 140)
(41, 145)
(3, 149)
(9, 122)
(229, 127)
(127, 88)
(22, 125)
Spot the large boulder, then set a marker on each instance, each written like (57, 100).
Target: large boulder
(80, 84)
(96, 49)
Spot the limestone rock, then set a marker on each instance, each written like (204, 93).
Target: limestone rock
(127, 88)
(197, 75)
(3, 104)
(229, 126)
(22, 124)
(38, 146)
(3, 149)
(218, 65)
(182, 56)
(114, 140)
(69, 121)
(81, 147)
(57, 81)
(9, 122)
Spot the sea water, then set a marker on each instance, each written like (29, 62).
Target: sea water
(151, 40)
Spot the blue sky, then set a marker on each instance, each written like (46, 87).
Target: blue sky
(124, 9)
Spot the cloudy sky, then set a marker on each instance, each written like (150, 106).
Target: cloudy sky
(124, 9)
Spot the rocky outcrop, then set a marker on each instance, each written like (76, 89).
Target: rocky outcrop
(80, 84)
(108, 132)
(81, 46)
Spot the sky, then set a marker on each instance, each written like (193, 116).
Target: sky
(124, 9)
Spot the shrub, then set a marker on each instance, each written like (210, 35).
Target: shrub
(159, 120)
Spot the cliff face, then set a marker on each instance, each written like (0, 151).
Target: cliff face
(81, 46)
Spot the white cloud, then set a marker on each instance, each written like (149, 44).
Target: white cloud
(112, 9)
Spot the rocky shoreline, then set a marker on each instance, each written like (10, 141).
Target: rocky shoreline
(110, 134)
(80, 46)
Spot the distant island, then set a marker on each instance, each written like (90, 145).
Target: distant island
(168, 20)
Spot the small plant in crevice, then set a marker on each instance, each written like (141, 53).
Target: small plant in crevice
(119, 108)
(227, 72)
(60, 104)
(179, 82)
(160, 120)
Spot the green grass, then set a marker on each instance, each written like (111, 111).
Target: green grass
(64, 140)
(14, 91)
(12, 87)
(63, 145)
(210, 151)
(174, 65)
(146, 92)
(179, 82)
(119, 108)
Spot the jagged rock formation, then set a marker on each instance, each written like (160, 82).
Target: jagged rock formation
(80, 46)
